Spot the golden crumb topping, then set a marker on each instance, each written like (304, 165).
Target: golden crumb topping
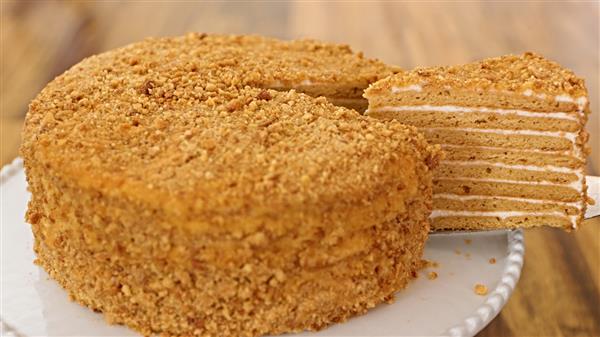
(526, 73)
(180, 118)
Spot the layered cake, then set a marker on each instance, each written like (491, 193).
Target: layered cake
(175, 194)
(513, 131)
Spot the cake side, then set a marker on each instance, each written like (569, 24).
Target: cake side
(515, 157)
(139, 268)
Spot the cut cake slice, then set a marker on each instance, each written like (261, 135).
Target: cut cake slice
(513, 131)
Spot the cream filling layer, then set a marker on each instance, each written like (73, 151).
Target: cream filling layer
(280, 84)
(460, 109)
(412, 87)
(571, 136)
(579, 101)
(564, 153)
(576, 185)
(459, 197)
(503, 215)
(530, 93)
(544, 168)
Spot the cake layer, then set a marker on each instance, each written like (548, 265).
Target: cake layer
(512, 156)
(524, 82)
(513, 139)
(392, 94)
(500, 220)
(451, 116)
(482, 169)
(521, 189)
(455, 202)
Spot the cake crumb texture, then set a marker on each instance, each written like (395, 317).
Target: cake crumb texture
(513, 73)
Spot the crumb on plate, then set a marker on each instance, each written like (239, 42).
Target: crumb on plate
(430, 264)
(481, 289)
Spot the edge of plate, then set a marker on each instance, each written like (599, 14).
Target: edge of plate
(486, 312)
(6, 173)
(9, 170)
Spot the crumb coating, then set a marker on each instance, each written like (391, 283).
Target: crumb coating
(512, 73)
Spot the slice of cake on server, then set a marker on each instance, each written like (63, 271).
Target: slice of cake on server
(513, 131)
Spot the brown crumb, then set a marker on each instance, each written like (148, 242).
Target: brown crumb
(147, 87)
(481, 289)
(468, 256)
(468, 241)
(457, 252)
(432, 275)
(430, 264)
(492, 261)
(264, 95)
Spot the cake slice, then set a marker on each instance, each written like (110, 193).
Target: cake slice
(513, 131)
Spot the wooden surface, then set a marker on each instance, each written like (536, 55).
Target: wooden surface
(559, 291)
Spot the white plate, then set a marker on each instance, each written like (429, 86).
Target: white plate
(34, 305)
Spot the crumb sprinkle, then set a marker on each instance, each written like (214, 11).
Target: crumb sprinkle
(512, 73)
(481, 289)
(430, 264)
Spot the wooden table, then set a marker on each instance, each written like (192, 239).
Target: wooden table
(559, 291)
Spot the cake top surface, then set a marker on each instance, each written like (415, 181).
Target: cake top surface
(176, 120)
(261, 61)
(523, 74)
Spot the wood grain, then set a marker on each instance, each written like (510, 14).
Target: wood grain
(558, 294)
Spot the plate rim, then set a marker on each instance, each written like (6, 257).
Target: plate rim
(469, 326)
(498, 298)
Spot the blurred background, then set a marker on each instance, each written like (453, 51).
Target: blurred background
(559, 291)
